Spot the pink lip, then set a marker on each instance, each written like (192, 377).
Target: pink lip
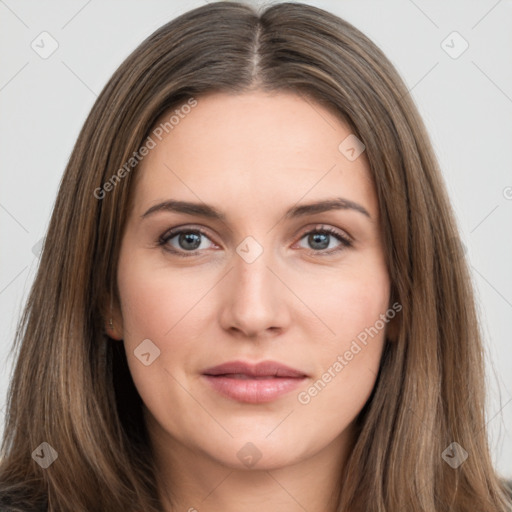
(254, 384)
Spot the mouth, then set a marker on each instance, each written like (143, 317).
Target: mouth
(249, 383)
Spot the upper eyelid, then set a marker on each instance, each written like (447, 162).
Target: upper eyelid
(172, 232)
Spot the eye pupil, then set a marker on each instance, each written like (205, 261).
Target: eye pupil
(191, 241)
(189, 238)
(319, 238)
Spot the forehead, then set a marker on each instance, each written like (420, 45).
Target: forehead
(256, 146)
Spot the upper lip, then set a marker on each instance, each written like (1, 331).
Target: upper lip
(263, 369)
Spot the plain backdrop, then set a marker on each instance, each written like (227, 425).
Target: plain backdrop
(461, 82)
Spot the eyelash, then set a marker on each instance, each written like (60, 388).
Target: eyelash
(168, 235)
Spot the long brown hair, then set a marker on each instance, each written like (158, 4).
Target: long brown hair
(71, 387)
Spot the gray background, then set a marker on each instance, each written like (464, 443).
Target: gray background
(465, 101)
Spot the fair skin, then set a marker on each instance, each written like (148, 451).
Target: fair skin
(252, 157)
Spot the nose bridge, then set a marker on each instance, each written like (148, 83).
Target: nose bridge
(254, 300)
(253, 281)
(253, 278)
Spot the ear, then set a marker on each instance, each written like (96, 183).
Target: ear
(113, 319)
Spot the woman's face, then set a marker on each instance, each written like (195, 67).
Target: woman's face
(264, 281)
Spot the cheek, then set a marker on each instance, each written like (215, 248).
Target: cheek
(348, 359)
(165, 307)
(346, 303)
(353, 308)
(154, 299)
(154, 307)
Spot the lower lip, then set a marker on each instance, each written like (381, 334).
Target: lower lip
(254, 391)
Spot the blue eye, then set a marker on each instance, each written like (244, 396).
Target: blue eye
(188, 241)
(320, 239)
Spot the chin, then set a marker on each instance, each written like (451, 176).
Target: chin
(257, 454)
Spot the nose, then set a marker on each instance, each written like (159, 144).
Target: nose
(255, 302)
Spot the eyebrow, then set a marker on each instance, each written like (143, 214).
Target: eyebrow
(209, 212)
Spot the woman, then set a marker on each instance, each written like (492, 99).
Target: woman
(251, 294)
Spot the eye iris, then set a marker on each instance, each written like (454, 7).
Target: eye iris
(319, 238)
(189, 238)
